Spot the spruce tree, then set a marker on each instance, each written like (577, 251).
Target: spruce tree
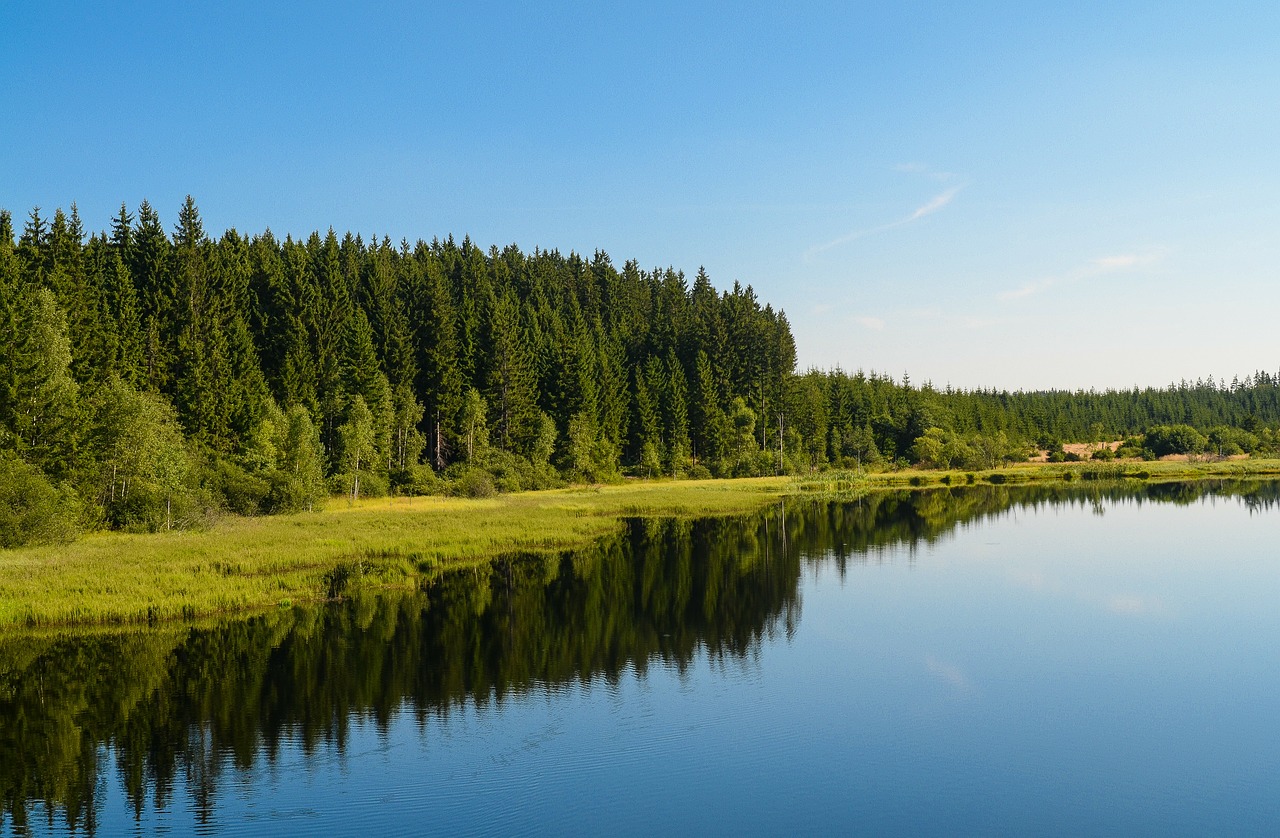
(45, 416)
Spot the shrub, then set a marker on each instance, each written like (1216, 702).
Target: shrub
(422, 480)
(372, 484)
(1174, 439)
(238, 490)
(33, 510)
(474, 483)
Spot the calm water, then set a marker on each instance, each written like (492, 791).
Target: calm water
(979, 661)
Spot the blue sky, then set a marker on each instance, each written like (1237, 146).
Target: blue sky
(981, 194)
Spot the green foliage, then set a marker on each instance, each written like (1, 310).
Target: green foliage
(140, 457)
(474, 483)
(1174, 439)
(1226, 441)
(297, 481)
(356, 444)
(535, 367)
(591, 456)
(33, 510)
(42, 421)
(475, 424)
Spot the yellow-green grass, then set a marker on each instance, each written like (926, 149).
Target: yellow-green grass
(248, 563)
(253, 563)
(1151, 471)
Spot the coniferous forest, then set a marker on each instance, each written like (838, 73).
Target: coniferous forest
(153, 375)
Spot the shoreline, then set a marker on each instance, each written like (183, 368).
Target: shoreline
(248, 564)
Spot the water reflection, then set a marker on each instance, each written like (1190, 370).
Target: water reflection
(178, 710)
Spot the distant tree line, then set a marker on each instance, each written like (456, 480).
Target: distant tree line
(846, 419)
(150, 377)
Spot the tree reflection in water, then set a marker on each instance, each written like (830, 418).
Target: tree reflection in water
(180, 707)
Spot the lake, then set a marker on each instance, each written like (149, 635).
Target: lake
(1087, 659)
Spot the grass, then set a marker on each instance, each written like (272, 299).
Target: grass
(254, 563)
(1153, 471)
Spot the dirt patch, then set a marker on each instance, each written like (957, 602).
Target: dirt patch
(1084, 450)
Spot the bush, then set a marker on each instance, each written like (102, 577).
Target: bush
(1174, 439)
(421, 480)
(237, 490)
(699, 472)
(474, 483)
(1104, 454)
(33, 510)
(1226, 441)
(372, 484)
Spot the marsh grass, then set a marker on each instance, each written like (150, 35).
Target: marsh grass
(241, 564)
(843, 482)
(250, 563)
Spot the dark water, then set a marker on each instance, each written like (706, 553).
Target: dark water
(994, 660)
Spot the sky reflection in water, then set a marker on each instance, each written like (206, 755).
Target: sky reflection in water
(950, 662)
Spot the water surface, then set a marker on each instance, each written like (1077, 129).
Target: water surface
(992, 660)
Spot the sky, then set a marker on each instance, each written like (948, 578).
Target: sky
(980, 194)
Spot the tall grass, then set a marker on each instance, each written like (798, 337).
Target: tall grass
(254, 563)
(248, 563)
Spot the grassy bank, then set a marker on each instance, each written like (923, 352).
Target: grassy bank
(252, 563)
(248, 563)
(1153, 471)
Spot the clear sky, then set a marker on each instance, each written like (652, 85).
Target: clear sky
(1002, 194)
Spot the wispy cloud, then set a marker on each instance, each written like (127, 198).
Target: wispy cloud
(1126, 260)
(1026, 289)
(929, 208)
(934, 204)
(950, 674)
(1092, 268)
(870, 322)
(924, 169)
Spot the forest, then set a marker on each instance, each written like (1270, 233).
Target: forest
(151, 378)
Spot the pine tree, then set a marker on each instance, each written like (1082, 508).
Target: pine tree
(710, 426)
(153, 279)
(676, 409)
(46, 406)
(510, 380)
